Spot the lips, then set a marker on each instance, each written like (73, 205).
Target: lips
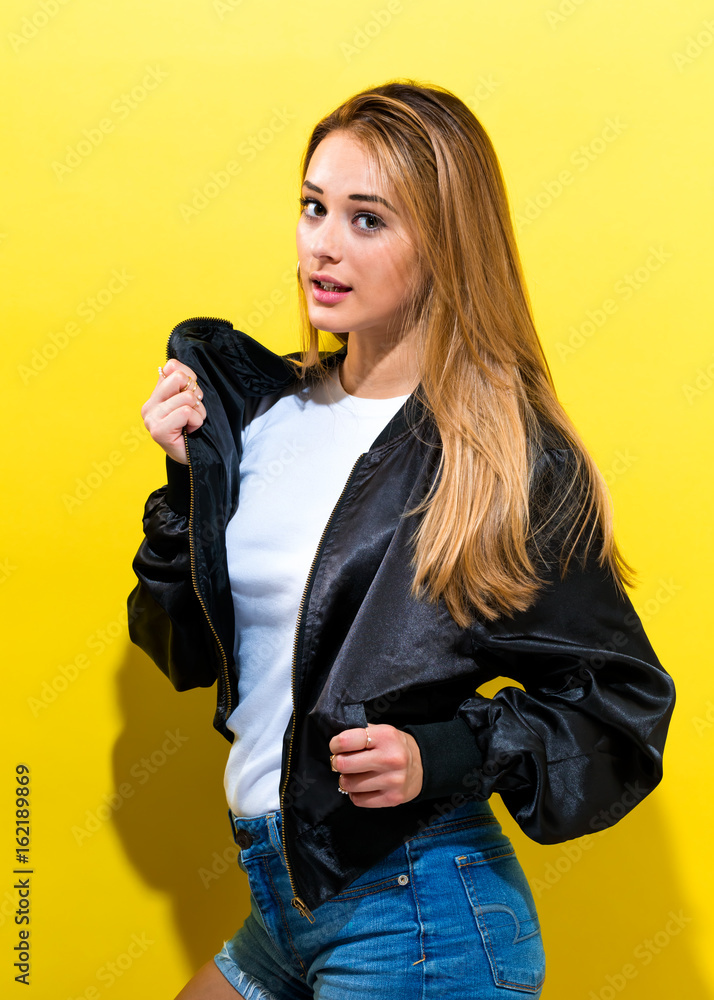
(328, 293)
(329, 284)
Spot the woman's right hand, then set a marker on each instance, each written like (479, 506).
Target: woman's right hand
(174, 404)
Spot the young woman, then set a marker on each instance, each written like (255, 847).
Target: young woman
(352, 542)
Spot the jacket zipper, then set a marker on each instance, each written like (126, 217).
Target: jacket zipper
(192, 551)
(298, 903)
(194, 579)
(194, 319)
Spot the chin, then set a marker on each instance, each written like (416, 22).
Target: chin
(327, 325)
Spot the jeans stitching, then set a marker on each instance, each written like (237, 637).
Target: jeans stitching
(484, 861)
(284, 919)
(452, 827)
(483, 924)
(278, 848)
(419, 917)
(368, 890)
(487, 937)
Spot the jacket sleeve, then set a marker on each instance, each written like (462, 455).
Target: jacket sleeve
(165, 616)
(582, 743)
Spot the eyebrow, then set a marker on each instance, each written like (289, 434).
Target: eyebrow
(355, 197)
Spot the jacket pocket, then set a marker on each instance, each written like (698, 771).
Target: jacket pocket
(506, 917)
(354, 715)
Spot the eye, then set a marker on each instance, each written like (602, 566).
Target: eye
(371, 222)
(311, 203)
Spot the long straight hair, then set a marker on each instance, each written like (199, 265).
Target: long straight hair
(484, 378)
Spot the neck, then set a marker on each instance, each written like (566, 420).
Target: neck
(379, 369)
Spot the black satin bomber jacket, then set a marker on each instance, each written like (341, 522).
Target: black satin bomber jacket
(570, 752)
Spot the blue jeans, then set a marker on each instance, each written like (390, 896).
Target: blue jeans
(449, 913)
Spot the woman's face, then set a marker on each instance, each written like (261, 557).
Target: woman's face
(352, 234)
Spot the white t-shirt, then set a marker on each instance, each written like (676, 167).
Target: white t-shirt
(299, 447)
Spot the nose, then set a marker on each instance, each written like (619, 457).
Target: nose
(326, 242)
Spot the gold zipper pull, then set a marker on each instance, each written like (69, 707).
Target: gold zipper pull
(302, 909)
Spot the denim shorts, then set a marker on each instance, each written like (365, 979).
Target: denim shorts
(449, 913)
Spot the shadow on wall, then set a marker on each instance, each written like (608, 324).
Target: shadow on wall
(614, 919)
(175, 827)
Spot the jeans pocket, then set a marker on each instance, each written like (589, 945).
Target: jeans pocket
(506, 917)
(359, 889)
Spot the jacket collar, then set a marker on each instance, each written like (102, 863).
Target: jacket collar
(258, 371)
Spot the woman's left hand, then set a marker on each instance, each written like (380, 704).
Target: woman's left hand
(385, 772)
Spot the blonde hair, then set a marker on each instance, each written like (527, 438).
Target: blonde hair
(484, 378)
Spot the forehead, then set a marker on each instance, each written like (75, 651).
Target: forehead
(341, 161)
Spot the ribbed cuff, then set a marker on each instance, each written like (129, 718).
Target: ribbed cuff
(449, 756)
(178, 491)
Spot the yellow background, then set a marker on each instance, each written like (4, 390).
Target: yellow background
(128, 907)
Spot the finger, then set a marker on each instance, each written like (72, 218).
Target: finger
(370, 781)
(176, 378)
(180, 380)
(169, 429)
(392, 758)
(171, 389)
(349, 740)
(173, 365)
(379, 798)
(360, 762)
(154, 414)
(374, 800)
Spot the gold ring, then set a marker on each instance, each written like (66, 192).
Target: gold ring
(188, 385)
(369, 738)
(340, 788)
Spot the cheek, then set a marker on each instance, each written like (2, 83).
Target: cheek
(300, 238)
(389, 265)
(396, 272)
